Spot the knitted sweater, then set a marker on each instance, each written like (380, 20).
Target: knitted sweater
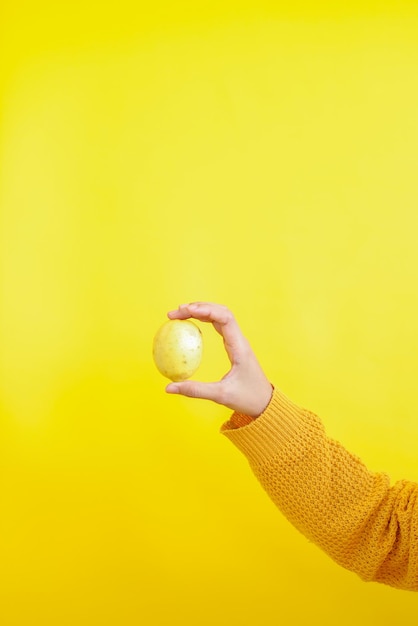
(356, 516)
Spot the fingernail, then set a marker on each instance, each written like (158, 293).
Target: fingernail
(172, 388)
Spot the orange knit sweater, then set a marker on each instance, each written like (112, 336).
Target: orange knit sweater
(356, 516)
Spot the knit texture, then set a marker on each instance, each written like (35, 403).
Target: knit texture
(354, 515)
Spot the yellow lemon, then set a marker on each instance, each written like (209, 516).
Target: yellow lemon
(177, 349)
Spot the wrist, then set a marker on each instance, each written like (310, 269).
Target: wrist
(262, 401)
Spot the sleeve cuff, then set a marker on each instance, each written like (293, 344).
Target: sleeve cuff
(262, 437)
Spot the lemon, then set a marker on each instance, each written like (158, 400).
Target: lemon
(177, 349)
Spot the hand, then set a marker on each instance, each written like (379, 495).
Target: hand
(244, 388)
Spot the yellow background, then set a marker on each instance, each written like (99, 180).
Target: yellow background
(254, 154)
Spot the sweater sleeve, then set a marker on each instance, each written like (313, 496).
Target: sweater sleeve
(354, 515)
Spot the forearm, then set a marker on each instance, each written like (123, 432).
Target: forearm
(329, 494)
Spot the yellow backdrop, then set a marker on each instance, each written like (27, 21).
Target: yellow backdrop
(248, 153)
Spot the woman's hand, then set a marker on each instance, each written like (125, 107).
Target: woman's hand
(244, 388)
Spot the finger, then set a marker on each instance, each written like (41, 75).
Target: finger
(203, 311)
(182, 313)
(224, 323)
(220, 316)
(192, 389)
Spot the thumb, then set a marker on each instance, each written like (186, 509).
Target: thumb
(194, 389)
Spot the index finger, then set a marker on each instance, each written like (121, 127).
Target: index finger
(222, 319)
